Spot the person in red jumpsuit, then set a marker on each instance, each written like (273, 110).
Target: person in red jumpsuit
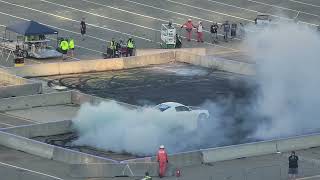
(188, 26)
(162, 158)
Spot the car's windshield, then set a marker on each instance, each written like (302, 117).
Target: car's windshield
(162, 107)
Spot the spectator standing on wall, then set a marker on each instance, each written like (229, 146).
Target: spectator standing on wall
(200, 32)
(293, 166)
(83, 28)
(234, 28)
(214, 32)
(226, 30)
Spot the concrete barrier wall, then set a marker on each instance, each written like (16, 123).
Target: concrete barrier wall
(26, 145)
(196, 51)
(23, 102)
(45, 129)
(214, 63)
(76, 157)
(80, 98)
(85, 66)
(17, 86)
(112, 170)
(260, 148)
(302, 142)
(238, 151)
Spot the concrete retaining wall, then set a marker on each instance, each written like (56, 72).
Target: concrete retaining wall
(85, 66)
(112, 170)
(260, 148)
(26, 145)
(17, 86)
(45, 129)
(80, 98)
(197, 51)
(75, 157)
(239, 151)
(24, 102)
(214, 63)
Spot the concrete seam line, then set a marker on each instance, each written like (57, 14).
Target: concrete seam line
(36, 172)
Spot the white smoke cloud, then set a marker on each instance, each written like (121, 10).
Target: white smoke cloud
(288, 61)
(113, 127)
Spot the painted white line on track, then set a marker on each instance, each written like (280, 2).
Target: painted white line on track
(10, 125)
(208, 10)
(284, 8)
(28, 170)
(98, 15)
(309, 177)
(246, 9)
(173, 12)
(73, 20)
(142, 15)
(208, 43)
(304, 3)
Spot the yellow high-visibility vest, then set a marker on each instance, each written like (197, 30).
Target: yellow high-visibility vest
(71, 44)
(130, 44)
(64, 45)
(112, 45)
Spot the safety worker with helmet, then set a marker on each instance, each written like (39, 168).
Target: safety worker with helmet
(162, 158)
(71, 46)
(188, 26)
(64, 46)
(130, 46)
(147, 177)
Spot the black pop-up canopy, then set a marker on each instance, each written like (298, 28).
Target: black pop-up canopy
(29, 28)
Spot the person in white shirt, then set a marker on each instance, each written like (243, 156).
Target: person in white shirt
(200, 32)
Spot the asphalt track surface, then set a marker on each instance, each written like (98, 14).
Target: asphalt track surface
(152, 85)
(142, 19)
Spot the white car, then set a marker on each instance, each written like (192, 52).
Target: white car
(195, 117)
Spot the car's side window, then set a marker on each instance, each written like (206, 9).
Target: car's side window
(182, 108)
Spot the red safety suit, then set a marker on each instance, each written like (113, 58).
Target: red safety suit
(188, 26)
(162, 158)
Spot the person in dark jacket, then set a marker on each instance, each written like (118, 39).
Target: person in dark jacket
(214, 32)
(293, 166)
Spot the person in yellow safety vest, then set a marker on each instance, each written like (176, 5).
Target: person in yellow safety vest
(64, 46)
(113, 46)
(71, 46)
(147, 177)
(130, 46)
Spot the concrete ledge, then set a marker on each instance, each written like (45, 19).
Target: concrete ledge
(45, 129)
(80, 98)
(17, 86)
(214, 63)
(186, 159)
(196, 51)
(24, 102)
(76, 157)
(239, 151)
(26, 145)
(85, 66)
(297, 143)
(112, 170)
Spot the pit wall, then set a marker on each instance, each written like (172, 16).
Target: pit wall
(17, 86)
(25, 102)
(87, 166)
(216, 63)
(85, 66)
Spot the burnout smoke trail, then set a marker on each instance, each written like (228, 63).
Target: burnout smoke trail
(287, 56)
